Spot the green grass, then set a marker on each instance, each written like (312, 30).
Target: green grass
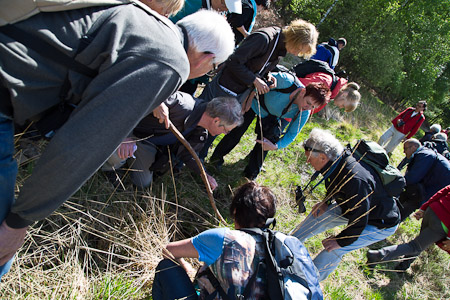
(105, 244)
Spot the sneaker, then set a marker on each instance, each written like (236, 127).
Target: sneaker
(373, 258)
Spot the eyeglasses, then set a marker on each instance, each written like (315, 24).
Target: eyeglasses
(213, 71)
(227, 131)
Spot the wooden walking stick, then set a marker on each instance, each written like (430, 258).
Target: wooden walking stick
(186, 144)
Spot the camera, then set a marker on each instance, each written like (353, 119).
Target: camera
(300, 199)
(400, 123)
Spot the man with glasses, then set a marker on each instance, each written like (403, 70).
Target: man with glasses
(427, 172)
(355, 198)
(404, 126)
(147, 148)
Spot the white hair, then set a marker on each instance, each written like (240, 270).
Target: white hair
(323, 141)
(208, 31)
(435, 128)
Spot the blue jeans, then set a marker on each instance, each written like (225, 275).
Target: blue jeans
(326, 262)
(172, 282)
(8, 173)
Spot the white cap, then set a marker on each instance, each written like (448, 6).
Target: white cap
(234, 6)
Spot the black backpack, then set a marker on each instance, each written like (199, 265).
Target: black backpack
(313, 66)
(376, 157)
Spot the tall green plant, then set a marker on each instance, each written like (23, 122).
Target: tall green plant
(398, 48)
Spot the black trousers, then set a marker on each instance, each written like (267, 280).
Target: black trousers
(410, 200)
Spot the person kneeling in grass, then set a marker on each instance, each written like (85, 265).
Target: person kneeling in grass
(436, 221)
(231, 255)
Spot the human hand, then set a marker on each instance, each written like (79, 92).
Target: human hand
(212, 182)
(126, 148)
(418, 214)
(319, 209)
(261, 86)
(273, 80)
(10, 240)
(187, 267)
(162, 114)
(267, 145)
(330, 244)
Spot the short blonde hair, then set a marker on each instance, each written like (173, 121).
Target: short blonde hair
(300, 33)
(353, 96)
(171, 7)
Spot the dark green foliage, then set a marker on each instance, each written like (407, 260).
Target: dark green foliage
(398, 48)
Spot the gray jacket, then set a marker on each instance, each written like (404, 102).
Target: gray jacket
(140, 61)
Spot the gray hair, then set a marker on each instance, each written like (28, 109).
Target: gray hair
(227, 109)
(323, 141)
(435, 128)
(208, 31)
(414, 142)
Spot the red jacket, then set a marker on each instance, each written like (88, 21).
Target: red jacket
(411, 124)
(327, 79)
(440, 204)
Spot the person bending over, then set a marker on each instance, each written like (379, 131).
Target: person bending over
(137, 59)
(249, 65)
(273, 109)
(355, 198)
(147, 150)
(231, 255)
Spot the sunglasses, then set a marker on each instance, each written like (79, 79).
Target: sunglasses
(307, 148)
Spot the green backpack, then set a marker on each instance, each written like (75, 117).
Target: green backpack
(376, 157)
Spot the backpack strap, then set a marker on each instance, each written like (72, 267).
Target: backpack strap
(287, 90)
(334, 82)
(215, 283)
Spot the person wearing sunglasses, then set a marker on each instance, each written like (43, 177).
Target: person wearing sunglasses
(355, 198)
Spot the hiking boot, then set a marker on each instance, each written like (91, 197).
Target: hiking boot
(373, 258)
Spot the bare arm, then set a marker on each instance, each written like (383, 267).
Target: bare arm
(178, 250)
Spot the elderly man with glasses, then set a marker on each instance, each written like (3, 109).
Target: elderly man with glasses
(355, 197)
(427, 172)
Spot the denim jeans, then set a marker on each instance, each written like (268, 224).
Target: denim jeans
(172, 282)
(8, 173)
(326, 262)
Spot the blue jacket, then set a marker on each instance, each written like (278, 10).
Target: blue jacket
(430, 169)
(276, 102)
